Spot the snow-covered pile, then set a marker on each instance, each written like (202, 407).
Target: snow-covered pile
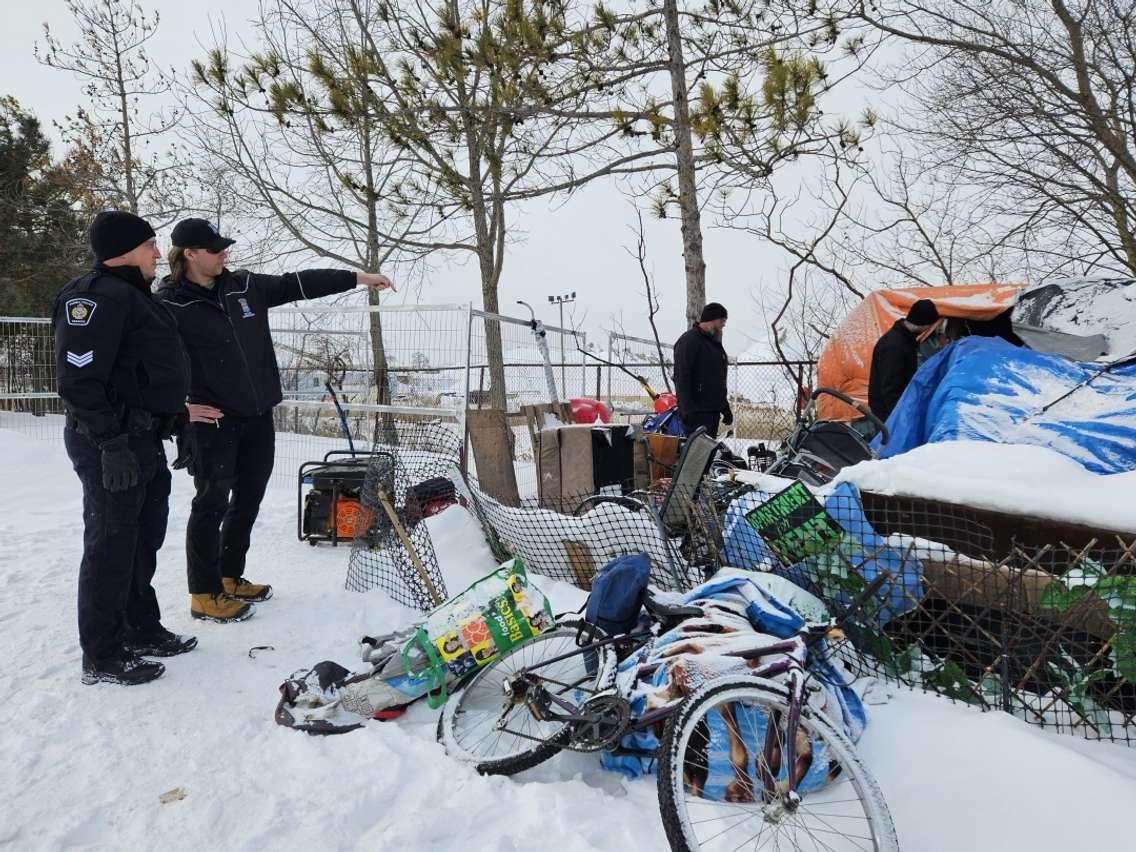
(1084, 306)
(85, 766)
(1006, 477)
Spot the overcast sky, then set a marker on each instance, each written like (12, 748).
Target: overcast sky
(578, 245)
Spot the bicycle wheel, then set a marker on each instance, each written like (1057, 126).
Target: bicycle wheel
(468, 724)
(721, 782)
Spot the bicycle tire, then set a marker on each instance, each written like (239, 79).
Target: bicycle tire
(466, 712)
(687, 833)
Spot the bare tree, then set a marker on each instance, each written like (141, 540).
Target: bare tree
(744, 83)
(1032, 105)
(114, 143)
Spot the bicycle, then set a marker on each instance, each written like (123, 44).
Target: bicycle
(807, 788)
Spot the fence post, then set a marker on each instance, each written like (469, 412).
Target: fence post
(464, 458)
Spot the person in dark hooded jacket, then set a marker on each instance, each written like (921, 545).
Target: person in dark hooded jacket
(895, 358)
(700, 370)
(234, 383)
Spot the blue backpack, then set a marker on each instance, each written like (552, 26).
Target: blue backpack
(666, 423)
(617, 593)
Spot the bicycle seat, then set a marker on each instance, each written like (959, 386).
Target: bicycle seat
(661, 611)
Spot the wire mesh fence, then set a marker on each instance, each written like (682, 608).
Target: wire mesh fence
(28, 400)
(392, 549)
(1046, 632)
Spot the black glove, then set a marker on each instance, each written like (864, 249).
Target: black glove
(120, 467)
(728, 416)
(185, 450)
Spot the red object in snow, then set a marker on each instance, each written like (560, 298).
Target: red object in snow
(589, 411)
(665, 402)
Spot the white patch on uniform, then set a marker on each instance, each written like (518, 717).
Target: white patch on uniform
(80, 311)
(246, 311)
(83, 360)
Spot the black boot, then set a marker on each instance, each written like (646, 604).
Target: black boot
(125, 669)
(160, 643)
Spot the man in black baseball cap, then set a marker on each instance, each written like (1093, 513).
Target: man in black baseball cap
(199, 234)
(234, 385)
(109, 332)
(895, 357)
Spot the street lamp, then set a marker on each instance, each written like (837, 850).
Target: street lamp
(566, 299)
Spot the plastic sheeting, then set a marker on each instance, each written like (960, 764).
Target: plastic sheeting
(988, 390)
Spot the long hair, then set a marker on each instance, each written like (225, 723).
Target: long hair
(176, 258)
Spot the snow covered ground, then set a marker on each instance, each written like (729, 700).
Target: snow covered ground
(85, 766)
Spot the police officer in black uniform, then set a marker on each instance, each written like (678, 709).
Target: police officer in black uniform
(223, 319)
(123, 376)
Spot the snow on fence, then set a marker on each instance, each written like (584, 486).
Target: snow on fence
(1034, 621)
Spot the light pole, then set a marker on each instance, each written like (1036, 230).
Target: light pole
(566, 299)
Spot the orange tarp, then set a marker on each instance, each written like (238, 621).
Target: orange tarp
(846, 361)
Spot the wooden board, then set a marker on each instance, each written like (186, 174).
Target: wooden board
(492, 454)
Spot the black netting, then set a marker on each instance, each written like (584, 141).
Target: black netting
(411, 467)
(678, 527)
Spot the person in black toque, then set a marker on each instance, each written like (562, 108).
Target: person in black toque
(700, 369)
(896, 357)
(223, 320)
(123, 377)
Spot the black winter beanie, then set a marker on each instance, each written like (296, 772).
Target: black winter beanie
(712, 311)
(923, 312)
(115, 232)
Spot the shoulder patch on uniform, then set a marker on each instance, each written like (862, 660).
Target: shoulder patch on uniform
(80, 359)
(80, 311)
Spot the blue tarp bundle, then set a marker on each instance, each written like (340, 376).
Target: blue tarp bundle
(986, 389)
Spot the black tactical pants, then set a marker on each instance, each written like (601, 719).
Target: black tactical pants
(232, 463)
(122, 534)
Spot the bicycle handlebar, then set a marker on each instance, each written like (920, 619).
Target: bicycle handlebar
(859, 406)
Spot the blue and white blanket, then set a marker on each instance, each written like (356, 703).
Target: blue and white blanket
(739, 616)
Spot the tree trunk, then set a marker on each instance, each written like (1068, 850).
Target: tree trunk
(384, 427)
(684, 155)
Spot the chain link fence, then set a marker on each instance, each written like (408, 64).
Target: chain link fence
(29, 403)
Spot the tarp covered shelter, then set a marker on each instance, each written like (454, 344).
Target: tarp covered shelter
(1083, 319)
(846, 361)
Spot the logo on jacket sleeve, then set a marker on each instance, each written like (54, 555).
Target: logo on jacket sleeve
(246, 311)
(80, 311)
(76, 359)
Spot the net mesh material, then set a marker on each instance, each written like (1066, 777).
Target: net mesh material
(1046, 632)
(397, 554)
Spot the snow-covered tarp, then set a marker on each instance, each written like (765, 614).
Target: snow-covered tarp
(1087, 307)
(985, 389)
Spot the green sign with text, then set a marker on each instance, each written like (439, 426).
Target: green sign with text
(794, 525)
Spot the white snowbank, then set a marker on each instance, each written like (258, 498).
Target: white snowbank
(84, 766)
(1006, 477)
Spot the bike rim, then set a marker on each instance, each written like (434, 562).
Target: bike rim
(475, 734)
(742, 808)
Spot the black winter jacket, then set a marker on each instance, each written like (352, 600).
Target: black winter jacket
(225, 330)
(894, 361)
(700, 370)
(117, 351)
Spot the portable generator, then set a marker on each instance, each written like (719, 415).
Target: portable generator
(331, 508)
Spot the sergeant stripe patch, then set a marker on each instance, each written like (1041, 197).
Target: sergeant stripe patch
(76, 360)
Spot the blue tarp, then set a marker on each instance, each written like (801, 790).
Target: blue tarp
(986, 389)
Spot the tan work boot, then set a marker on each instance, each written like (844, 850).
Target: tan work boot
(219, 607)
(243, 590)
